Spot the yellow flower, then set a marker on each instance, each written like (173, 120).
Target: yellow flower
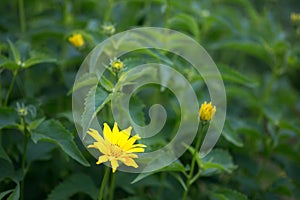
(76, 40)
(207, 111)
(295, 17)
(117, 65)
(116, 146)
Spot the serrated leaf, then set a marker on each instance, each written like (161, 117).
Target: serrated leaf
(15, 52)
(54, 132)
(34, 61)
(8, 117)
(76, 183)
(83, 81)
(95, 100)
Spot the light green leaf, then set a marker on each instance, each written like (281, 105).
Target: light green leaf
(76, 183)
(34, 61)
(54, 132)
(15, 52)
(8, 64)
(106, 84)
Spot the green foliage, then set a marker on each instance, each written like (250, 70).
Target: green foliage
(255, 45)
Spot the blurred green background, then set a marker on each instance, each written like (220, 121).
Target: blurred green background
(255, 45)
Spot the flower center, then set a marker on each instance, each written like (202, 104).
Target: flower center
(115, 151)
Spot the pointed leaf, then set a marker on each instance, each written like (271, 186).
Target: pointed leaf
(54, 132)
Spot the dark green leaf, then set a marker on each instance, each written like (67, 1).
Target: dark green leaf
(53, 131)
(76, 183)
(8, 117)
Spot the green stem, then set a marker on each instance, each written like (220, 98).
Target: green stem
(26, 135)
(22, 16)
(190, 176)
(107, 16)
(112, 187)
(10, 88)
(103, 184)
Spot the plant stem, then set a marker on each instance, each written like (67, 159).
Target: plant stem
(107, 16)
(103, 183)
(190, 176)
(22, 16)
(112, 187)
(26, 135)
(10, 88)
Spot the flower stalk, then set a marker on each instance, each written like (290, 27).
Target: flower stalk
(103, 183)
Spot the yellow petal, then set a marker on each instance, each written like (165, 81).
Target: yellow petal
(135, 150)
(139, 145)
(115, 133)
(95, 134)
(131, 155)
(130, 162)
(102, 159)
(107, 132)
(130, 142)
(101, 147)
(123, 136)
(114, 164)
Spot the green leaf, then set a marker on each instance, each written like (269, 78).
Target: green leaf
(54, 132)
(8, 117)
(185, 22)
(217, 161)
(95, 100)
(227, 194)
(173, 167)
(3, 194)
(232, 136)
(15, 195)
(76, 183)
(15, 52)
(3, 154)
(231, 75)
(248, 47)
(6, 169)
(34, 61)
(84, 80)
(106, 84)
(8, 64)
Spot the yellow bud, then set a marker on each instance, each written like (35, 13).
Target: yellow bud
(207, 111)
(117, 65)
(76, 40)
